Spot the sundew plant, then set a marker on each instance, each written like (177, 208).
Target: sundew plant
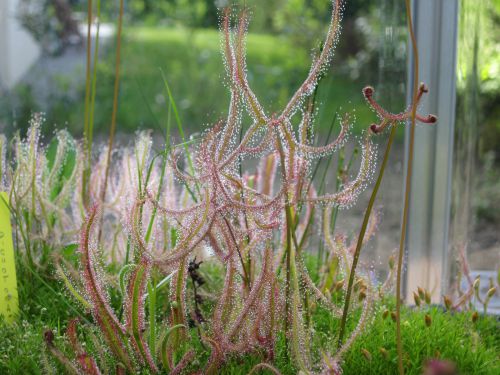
(160, 212)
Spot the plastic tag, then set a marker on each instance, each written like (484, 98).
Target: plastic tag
(9, 303)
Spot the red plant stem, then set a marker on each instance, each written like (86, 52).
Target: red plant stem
(115, 101)
(86, 167)
(407, 188)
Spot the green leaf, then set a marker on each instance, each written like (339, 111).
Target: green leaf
(51, 152)
(61, 170)
(69, 252)
(122, 274)
(164, 344)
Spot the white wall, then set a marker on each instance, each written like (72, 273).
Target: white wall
(18, 49)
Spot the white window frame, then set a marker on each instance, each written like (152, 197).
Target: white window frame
(435, 23)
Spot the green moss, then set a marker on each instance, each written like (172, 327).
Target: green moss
(451, 336)
(474, 347)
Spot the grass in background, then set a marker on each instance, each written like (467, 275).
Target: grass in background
(191, 61)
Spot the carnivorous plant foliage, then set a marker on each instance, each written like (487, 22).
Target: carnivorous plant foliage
(158, 216)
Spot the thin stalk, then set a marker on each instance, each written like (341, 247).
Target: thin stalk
(115, 100)
(86, 169)
(407, 188)
(361, 236)
(90, 126)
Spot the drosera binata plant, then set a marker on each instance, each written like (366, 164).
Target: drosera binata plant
(240, 222)
(255, 223)
(40, 186)
(125, 340)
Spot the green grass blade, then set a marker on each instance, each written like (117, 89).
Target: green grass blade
(164, 344)
(162, 283)
(179, 124)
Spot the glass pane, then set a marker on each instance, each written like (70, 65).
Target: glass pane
(476, 184)
(385, 28)
(182, 41)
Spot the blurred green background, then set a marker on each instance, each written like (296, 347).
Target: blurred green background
(181, 38)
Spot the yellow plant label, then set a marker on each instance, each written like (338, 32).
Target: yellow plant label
(9, 303)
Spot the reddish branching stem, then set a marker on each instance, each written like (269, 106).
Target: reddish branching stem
(388, 118)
